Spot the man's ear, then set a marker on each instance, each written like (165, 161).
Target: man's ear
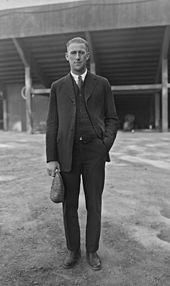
(66, 56)
(87, 56)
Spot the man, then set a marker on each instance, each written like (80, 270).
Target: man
(81, 127)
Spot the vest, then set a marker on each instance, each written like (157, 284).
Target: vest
(83, 126)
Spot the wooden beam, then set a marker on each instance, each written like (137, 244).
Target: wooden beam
(144, 87)
(20, 52)
(5, 106)
(29, 121)
(93, 68)
(164, 95)
(29, 61)
(164, 52)
(157, 110)
(136, 87)
(92, 56)
(40, 91)
(88, 37)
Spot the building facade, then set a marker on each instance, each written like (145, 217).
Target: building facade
(129, 45)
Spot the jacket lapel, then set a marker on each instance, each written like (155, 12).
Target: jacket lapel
(90, 84)
(69, 88)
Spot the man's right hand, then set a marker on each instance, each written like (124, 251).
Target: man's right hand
(52, 167)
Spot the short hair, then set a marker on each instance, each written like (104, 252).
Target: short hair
(78, 40)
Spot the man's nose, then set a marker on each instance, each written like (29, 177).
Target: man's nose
(77, 55)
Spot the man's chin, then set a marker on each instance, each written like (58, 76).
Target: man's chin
(79, 69)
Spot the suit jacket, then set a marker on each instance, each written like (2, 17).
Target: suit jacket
(61, 117)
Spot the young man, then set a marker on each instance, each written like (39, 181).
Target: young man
(81, 127)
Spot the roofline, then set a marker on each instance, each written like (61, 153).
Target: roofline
(84, 16)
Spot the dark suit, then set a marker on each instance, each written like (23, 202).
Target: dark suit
(86, 159)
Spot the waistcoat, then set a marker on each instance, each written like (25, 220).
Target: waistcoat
(83, 126)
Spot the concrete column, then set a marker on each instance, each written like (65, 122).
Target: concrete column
(164, 95)
(28, 86)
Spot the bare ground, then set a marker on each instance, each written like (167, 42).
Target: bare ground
(135, 240)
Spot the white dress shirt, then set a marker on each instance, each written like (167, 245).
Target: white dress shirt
(75, 76)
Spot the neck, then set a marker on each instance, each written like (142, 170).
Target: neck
(79, 73)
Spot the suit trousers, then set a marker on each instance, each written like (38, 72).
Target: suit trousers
(89, 163)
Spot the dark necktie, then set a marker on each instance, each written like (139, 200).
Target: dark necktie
(80, 83)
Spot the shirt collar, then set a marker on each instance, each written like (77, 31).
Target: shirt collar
(75, 76)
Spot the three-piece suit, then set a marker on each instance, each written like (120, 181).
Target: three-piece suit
(81, 151)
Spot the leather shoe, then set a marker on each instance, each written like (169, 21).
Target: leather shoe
(94, 260)
(71, 259)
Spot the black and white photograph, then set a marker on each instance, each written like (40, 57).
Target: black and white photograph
(85, 143)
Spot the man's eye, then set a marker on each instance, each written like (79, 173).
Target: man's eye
(79, 52)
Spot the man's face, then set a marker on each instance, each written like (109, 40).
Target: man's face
(77, 56)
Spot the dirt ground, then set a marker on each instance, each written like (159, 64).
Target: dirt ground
(135, 240)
